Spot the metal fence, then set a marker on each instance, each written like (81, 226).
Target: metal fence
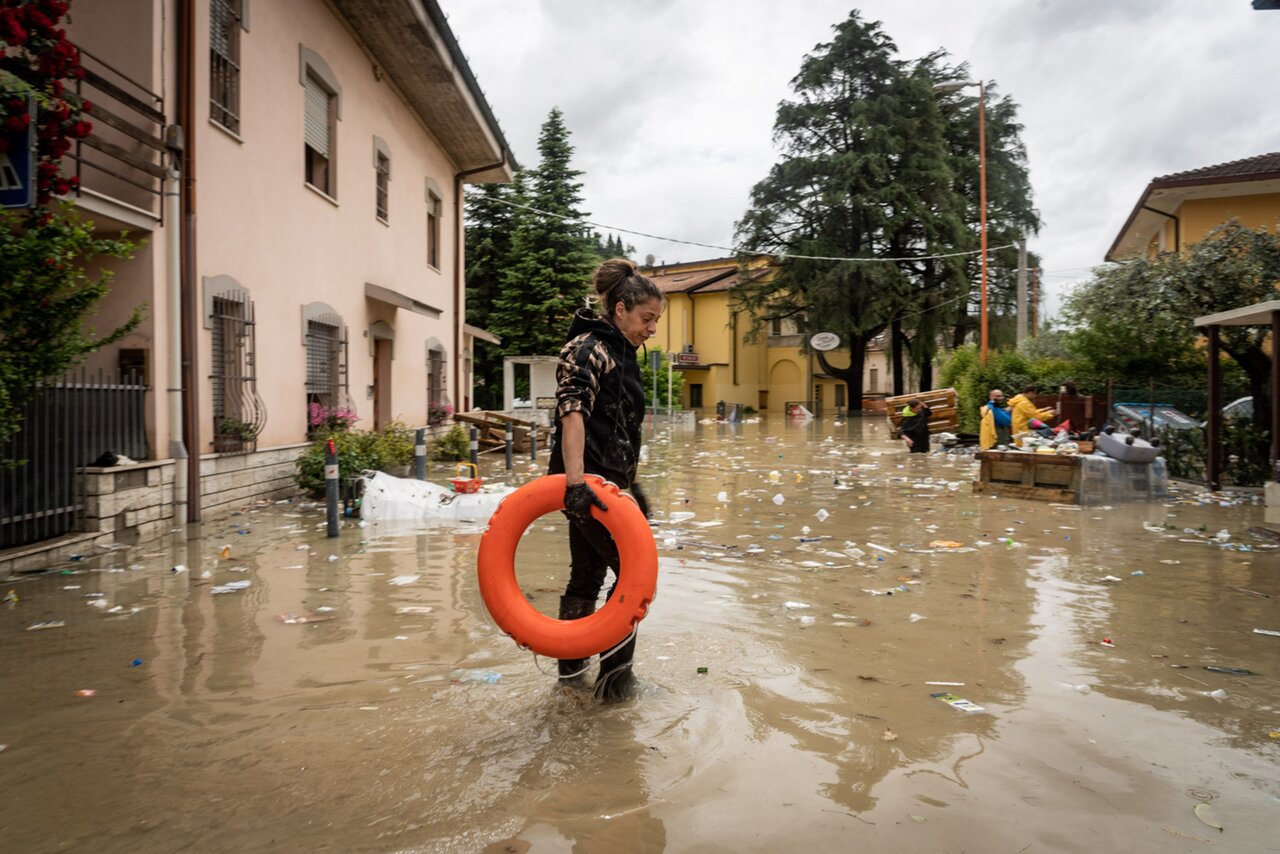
(69, 424)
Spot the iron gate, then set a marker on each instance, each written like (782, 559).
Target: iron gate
(68, 425)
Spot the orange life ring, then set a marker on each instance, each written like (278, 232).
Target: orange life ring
(568, 639)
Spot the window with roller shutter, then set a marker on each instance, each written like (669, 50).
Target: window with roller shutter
(318, 134)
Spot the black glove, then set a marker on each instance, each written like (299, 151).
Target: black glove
(578, 499)
(641, 499)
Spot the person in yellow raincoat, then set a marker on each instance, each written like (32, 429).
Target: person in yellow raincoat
(1023, 410)
(996, 418)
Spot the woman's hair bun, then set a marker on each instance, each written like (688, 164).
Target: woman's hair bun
(612, 273)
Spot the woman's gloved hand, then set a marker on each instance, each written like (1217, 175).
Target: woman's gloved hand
(578, 499)
(638, 494)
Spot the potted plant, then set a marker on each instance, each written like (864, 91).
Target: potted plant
(324, 420)
(233, 434)
(438, 411)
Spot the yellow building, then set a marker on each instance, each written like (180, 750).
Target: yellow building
(709, 337)
(1181, 208)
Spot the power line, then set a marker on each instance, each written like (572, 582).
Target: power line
(740, 251)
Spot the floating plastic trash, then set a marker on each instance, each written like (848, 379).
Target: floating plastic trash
(822, 515)
(231, 586)
(1206, 814)
(779, 499)
(402, 580)
(957, 702)
(488, 677)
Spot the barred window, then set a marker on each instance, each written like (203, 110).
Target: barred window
(327, 397)
(238, 412)
(226, 20)
(436, 386)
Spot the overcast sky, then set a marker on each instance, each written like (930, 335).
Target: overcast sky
(671, 103)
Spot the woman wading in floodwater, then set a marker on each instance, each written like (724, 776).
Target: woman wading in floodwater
(599, 411)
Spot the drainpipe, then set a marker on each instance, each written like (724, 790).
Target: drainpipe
(1177, 226)
(186, 61)
(173, 245)
(458, 298)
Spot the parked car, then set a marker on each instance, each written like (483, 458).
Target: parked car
(1163, 416)
(1239, 408)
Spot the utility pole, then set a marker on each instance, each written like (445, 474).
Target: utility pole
(1022, 290)
(1035, 301)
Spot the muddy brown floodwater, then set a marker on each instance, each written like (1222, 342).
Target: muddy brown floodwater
(402, 720)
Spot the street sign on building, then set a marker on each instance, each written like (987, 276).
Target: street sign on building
(686, 358)
(18, 163)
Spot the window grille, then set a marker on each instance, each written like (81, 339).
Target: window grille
(383, 170)
(436, 389)
(238, 412)
(326, 342)
(226, 19)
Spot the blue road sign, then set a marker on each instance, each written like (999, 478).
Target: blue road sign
(18, 164)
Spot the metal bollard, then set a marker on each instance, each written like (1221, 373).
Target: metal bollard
(420, 453)
(510, 443)
(475, 447)
(331, 487)
(533, 443)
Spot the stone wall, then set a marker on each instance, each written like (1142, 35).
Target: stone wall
(229, 481)
(128, 504)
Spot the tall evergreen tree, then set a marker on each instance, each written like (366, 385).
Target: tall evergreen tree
(491, 220)
(551, 253)
(865, 175)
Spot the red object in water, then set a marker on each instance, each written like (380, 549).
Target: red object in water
(1108, 642)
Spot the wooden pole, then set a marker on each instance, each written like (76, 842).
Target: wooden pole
(1275, 395)
(1213, 472)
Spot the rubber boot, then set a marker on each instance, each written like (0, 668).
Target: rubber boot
(573, 670)
(616, 680)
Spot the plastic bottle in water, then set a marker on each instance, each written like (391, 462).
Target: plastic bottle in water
(486, 676)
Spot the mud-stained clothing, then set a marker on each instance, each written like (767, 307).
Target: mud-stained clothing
(598, 376)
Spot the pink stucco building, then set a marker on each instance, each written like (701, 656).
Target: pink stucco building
(296, 172)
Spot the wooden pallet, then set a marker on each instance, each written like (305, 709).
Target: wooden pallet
(943, 411)
(1040, 477)
(492, 430)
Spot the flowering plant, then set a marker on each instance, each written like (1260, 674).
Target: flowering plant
(35, 58)
(337, 419)
(438, 411)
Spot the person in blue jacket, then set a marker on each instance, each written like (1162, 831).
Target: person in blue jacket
(997, 421)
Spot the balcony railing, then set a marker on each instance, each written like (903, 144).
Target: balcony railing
(123, 159)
